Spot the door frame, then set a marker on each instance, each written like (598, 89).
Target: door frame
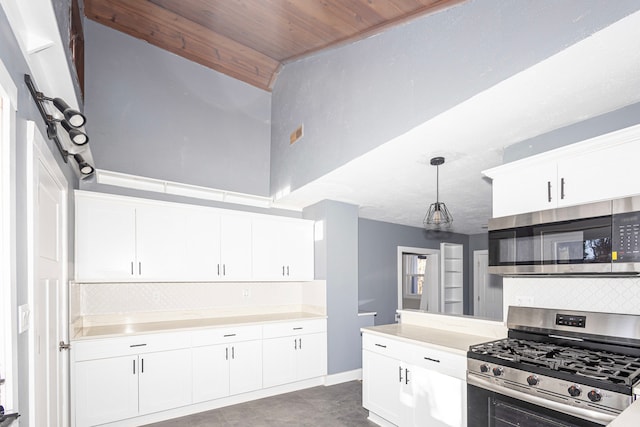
(37, 151)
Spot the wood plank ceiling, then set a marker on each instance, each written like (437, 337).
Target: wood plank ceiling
(251, 39)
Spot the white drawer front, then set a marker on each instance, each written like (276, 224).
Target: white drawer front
(451, 364)
(124, 346)
(385, 346)
(225, 335)
(290, 328)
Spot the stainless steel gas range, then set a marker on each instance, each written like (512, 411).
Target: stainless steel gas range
(556, 368)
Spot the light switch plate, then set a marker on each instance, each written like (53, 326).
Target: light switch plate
(24, 318)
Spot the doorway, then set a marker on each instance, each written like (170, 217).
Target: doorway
(48, 294)
(418, 279)
(487, 288)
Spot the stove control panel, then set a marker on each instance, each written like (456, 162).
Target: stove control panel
(571, 320)
(574, 390)
(595, 395)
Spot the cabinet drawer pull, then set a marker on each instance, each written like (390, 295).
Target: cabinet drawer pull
(137, 345)
(431, 360)
(298, 328)
(229, 335)
(549, 191)
(380, 345)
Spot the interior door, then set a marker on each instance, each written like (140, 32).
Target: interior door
(48, 290)
(487, 301)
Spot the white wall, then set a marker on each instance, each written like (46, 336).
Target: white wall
(610, 294)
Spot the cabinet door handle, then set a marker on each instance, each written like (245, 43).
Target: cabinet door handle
(283, 270)
(132, 268)
(549, 191)
(226, 353)
(400, 373)
(562, 188)
(233, 352)
(406, 376)
(134, 366)
(139, 268)
(224, 269)
(287, 270)
(431, 360)
(380, 345)
(295, 344)
(218, 269)
(142, 366)
(300, 344)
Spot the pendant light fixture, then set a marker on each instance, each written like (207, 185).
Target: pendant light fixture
(438, 215)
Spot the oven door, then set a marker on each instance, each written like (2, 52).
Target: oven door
(506, 407)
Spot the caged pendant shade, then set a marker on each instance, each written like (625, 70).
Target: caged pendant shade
(438, 215)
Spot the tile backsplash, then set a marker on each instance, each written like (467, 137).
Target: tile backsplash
(604, 294)
(145, 300)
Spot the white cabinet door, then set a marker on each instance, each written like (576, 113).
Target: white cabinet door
(297, 250)
(210, 372)
(382, 378)
(235, 247)
(279, 361)
(600, 175)
(160, 238)
(164, 380)
(245, 367)
(530, 189)
(311, 356)
(282, 249)
(105, 240)
(105, 390)
(201, 244)
(438, 399)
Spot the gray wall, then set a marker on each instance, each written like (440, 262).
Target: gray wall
(14, 62)
(336, 261)
(377, 262)
(600, 125)
(155, 114)
(354, 98)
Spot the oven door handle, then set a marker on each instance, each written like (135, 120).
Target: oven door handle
(594, 416)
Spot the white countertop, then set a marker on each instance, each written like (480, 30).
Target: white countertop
(126, 329)
(453, 342)
(630, 417)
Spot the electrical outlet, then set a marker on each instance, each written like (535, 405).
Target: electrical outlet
(525, 301)
(246, 293)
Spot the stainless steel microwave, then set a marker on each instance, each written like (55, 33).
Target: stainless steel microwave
(602, 237)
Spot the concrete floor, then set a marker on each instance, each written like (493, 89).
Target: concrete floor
(339, 405)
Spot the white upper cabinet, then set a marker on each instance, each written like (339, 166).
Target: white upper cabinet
(122, 239)
(282, 249)
(598, 169)
(105, 239)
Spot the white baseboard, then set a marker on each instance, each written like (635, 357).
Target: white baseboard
(343, 377)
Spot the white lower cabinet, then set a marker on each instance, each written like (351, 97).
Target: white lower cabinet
(294, 351)
(117, 379)
(114, 379)
(413, 385)
(226, 369)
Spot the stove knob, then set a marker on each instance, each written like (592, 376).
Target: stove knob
(497, 371)
(594, 396)
(484, 368)
(533, 380)
(574, 391)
